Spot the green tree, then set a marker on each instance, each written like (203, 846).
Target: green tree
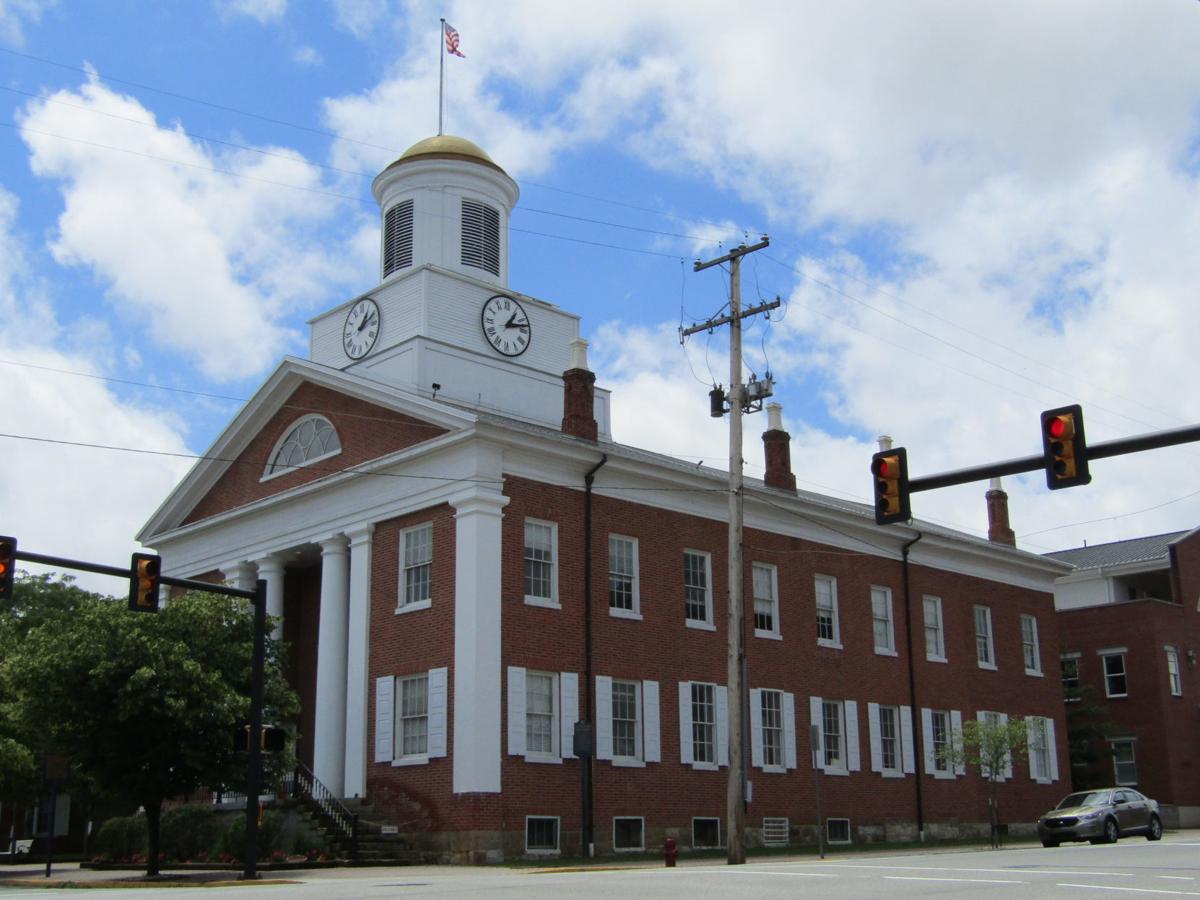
(991, 746)
(146, 705)
(1088, 728)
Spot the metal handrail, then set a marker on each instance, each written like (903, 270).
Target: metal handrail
(306, 786)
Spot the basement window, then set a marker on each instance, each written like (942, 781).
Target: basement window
(481, 236)
(706, 833)
(629, 833)
(775, 832)
(398, 237)
(837, 831)
(541, 834)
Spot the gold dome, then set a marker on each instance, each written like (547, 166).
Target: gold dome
(446, 146)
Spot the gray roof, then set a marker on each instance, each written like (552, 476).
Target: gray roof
(1119, 553)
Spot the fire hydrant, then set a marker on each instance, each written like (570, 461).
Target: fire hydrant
(670, 851)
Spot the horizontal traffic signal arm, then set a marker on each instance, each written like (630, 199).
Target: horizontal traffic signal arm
(63, 562)
(1119, 447)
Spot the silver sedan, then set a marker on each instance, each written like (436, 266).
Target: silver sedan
(1100, 816)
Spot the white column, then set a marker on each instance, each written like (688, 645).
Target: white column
(329, 741)
(270, 569)
(240, 574)
(356, 661)
(477, 681)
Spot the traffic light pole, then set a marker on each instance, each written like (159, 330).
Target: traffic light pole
(1104, 450)
(257, 664)
(736, 656)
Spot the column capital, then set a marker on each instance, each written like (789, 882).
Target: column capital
(333, 544)
(271, 564)
(478, 501)
(360, 534)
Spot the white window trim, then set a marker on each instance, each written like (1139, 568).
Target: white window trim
(550, 602)
(636, 612)
(638, 759)
(1174, 679)
(990, 664)
(401, 606)
(836, 642)
(1132, 742)
(1104, 655)
(268, 475)
(720, 835)
(617, 849)
(891, 621)
(557, 837)
(941, 630)
(388, 718)
(851, 760)
(708, 623)
(555, 754)
(720, 729)
(905, 747)
(773, 633)
(1037, 646)
(787, 723)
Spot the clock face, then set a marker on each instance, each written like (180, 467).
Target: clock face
(361, 329)
(505, 325)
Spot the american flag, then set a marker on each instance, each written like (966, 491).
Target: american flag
(452, 40)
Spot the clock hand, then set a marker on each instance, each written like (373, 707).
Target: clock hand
(511, 323)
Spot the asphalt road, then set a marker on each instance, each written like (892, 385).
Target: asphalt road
(1134, 867)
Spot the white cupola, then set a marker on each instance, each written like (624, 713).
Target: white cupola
(445, 203)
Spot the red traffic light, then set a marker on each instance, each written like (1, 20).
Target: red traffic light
(1064, 447)
(8, 566)
(890, 468)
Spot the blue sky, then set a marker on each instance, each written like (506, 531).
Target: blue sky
(976, 212)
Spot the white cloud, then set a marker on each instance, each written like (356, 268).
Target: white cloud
(207, 250)
(16, 15)
(262, 11)
(307, 56)
(362, 18)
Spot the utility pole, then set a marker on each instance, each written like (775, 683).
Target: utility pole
(738, 400)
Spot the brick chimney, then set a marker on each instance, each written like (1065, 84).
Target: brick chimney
(579, 417)
(997, 510)
(777, 447)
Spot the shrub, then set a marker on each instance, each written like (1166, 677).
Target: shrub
(190, 832)
(270, 832)
(122, 838)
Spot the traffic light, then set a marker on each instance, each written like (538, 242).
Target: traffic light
(272, 738)
(1064, 447)
(890, 468)
(8, 566)
(144, 570)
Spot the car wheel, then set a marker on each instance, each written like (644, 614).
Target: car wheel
(1111, 832)
(1046, 843)
(1154, 833)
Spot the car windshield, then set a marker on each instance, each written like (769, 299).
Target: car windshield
(1085, 798)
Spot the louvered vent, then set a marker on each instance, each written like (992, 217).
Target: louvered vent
(398, 237)
(480, 236)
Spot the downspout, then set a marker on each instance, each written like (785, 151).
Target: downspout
(918, 733)
(586, 836)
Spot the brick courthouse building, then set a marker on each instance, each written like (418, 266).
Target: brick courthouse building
(435, 501)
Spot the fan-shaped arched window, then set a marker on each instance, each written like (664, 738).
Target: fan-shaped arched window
(310, 439)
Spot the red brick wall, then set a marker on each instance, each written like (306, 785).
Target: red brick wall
(366, 432)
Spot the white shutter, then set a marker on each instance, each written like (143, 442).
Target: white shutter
(814, 718)
(722, 694)
(604, 748)
(908, 753)
(1007, 756)
(652, 731)
(927, 741)
(516, 711)
(873, 737)
(437, 712)
(853, 762)
(685, 723)
(1051, 750)
(960, 765)
(789, 730)
(756, 744)
(385, 703)
(568, 689)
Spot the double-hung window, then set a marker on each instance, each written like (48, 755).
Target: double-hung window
(765, 585)
(1039, 752)
(833, 731)
(627, 724)
(889, 739)
(1124, 761)
(881, 621)
(623, 599)
(837, 735)
(704, 723)
(412, 727)
(772, 729)
(697, 589)
(935, 634)
(410, 717)
(1115, 682)
(985, 651)
(1069, 662)
(1029, 645)
(626, 720)
(828, 632)
(940, 741)
(543, 708)
(1173, 678)
(541, 713)
(416, 567)
(771, 708)
(541, 563)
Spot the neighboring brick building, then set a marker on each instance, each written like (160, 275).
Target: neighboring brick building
(1129, 626)
(419, 497)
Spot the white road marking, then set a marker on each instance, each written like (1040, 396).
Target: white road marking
(958, 880)
(1129, 890)
(1013, 871)
(1178, 877)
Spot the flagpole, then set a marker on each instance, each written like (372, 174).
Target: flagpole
(441, 74)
